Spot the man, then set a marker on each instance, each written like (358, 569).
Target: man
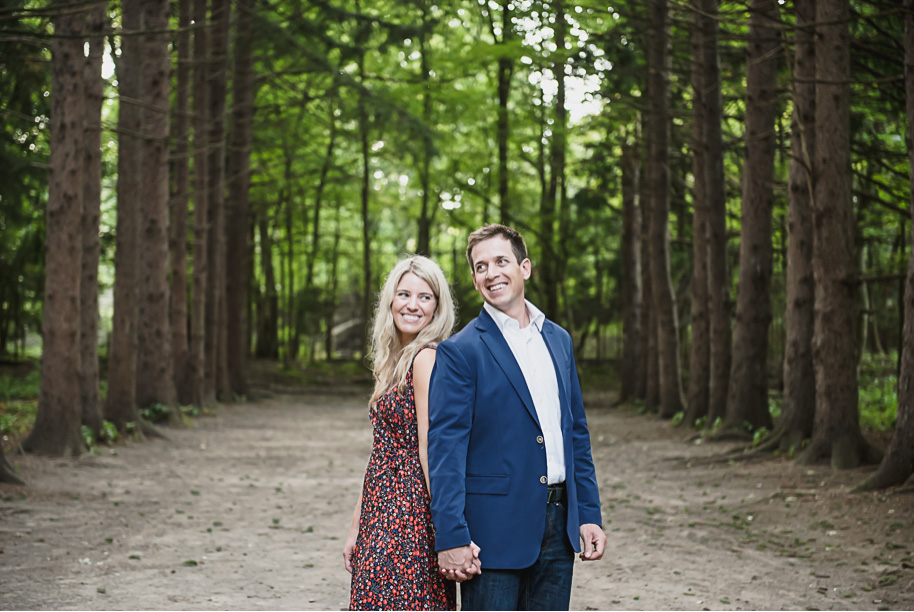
(509, 451)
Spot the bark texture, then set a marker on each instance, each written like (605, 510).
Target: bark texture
(718, 267)
(798, 410)
(57, 429)
(180, 199)
(747, 401)
(155, 370)
(836, 430)
(197, 357)
(120, 403)
(92, 195)
(238, 206)
(658, 190)
(631, 274)
(216, 309)
(700, 348)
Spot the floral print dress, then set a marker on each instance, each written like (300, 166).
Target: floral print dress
(395, 566)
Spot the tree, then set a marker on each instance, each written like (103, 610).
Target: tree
(798, 408)
(836, 429)
(216, 308)
(180, 199)
(657, 179)
(120, 403)
(503, 85)
(897, 466)
(197, 360)
(155, 382)
(700, 350)
(715, 191)
(632, 327)
(7, 473)
(92, 195)
(57, 429)
(747, 402)
(238, 218)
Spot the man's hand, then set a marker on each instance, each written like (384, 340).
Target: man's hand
(461, 563)
(594, 542)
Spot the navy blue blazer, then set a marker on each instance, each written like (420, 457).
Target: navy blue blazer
(487, 460)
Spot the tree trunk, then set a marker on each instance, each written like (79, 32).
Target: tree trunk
(718, 269)
(238, 214)
(368, 289)
(747, 402)
(155, 375)
(216, 328)
(7, 473)
(267, 315)
(798, 409)
(319, 198)
(503, 130)
(557, 163)
(198, 356)
(836, 430)
(426, 212)
(648, 380)
(700, 348)
(92, 196)
(658, 180)
(120, 403)
(631, 273)
(57, 429)
(179, 206)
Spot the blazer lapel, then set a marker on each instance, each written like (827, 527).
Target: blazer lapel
(501, 352)
(561, 366)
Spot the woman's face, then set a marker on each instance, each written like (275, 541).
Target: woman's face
(413, 307)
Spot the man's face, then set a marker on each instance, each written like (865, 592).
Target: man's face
(497, 276)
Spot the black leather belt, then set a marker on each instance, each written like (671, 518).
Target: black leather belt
(555, 493)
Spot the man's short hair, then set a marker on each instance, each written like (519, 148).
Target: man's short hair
(518, 246)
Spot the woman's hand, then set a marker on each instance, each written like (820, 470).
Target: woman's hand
(349, 549)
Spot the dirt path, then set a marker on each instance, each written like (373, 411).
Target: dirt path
(248, 510)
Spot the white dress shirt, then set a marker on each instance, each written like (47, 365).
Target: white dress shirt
(532, 355)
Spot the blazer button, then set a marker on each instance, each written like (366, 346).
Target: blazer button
(539, 439)
(543, 480)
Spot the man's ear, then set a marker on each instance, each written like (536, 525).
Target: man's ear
(527, 268)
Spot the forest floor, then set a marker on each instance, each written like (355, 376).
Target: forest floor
(248, 509)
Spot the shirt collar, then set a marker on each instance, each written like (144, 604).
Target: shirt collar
(502, 320)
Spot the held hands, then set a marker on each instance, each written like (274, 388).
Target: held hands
(461, 563)
(594, 542)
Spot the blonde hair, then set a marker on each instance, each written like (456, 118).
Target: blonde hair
(390, 361)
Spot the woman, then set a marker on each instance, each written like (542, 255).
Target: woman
(390, 550)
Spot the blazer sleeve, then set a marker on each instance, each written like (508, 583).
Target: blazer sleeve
(451, 404)
(585, 477)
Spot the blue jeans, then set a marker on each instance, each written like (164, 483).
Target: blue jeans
(545, 585)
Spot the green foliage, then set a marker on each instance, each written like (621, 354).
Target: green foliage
(20, 387)
(156, 413)
(758, 435)
(18, 403)
(879, 402)
(107, 435)
(17, 417)
(677, 418)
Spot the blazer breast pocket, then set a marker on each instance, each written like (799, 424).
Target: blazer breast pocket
(488, 485)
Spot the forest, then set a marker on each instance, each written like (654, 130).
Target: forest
(717, 198)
